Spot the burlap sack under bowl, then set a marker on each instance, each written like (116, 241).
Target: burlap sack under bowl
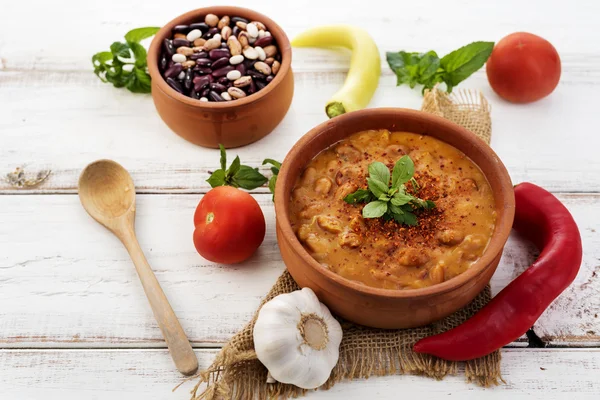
(385, 308)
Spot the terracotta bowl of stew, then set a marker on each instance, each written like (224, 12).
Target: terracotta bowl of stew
(390, 308)
(231, 123)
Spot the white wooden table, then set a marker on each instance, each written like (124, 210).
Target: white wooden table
(74, 322)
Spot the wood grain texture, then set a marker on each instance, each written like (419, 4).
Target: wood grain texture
(67, 282)
(147, 374)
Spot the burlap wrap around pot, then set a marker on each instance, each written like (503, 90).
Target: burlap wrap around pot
(236, 373)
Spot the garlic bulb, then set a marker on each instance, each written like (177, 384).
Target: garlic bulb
(297, 339)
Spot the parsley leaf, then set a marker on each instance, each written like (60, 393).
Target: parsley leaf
(428, 69)
(390, 202)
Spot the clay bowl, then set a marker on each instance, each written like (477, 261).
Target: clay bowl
(385, 308)
(234, 123)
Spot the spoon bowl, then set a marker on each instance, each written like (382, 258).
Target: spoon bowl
(107, 193)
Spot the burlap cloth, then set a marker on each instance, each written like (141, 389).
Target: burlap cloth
(236, 373)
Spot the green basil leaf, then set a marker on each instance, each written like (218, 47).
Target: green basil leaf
(403, 171)
(360, 196)
(234, 167)
(394, 209)
(139, 81)
(375, 209)
(119, 49)
(376, 187)
(428, 66)
(139, 34)
(405, 66)
(217, 178)
(400, 199)
(380, 172)
(139, 52)
(275, 163)
(407, 218)
(461, 63)
(101, 58)
(248, 178)
(223, 157)
(272, 183)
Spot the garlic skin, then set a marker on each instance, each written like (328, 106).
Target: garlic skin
(297, 339)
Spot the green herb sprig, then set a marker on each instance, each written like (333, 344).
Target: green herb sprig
(390, 202)
(125, 64)
(237, 175)
(276, 166)
(428, 69)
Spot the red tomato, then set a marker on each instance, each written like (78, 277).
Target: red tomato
(229, 225)
(523, 68)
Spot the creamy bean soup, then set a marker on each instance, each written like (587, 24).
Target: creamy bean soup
(386, 254)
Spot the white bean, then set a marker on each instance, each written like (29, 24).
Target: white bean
(249, 52)
(217, 36)
(178, 58)
(261, 34)
(225, 95)
(181, 75)
(203, 99)
(235, 60)
(234, 75)
(194, 34)
(267, 33)
(252, 30)
(261, 53)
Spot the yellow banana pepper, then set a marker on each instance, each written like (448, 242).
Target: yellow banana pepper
(365, 64)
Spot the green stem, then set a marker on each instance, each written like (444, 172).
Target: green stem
(335, 109)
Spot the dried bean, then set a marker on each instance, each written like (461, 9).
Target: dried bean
(187, 79)
(249, 63)
(226, 32)
(220, 63)
(261, 34)
(241, 25)
(236, 93)
(269, 61)
(175, 85)
(223, 22)
(180, 36)
(260, 85)
(213, 43)
(181, 29)
(222, 71)
(194, 94)
(181, 42)
(204, 62)
(215, 54)
(242, 82)
(234, 75)
(270, 50)
(256, 75)
(214, 31)
(203, 99)
(269, 78)
(252, 30)
(275, 67)
(188, 64)
(239, 19)
(211, 20)
(168, 47)
(181, 75)
(250, 53)
(252, 88)
(202, 70)
(207, 36)
(264, 41)
(236, 31)
(241, 68)
(243, 39)
(226, 96)
(262, 68)
(200, 82)
(261, 53)
(197, 56)
(164, 62)
(178, 58)
(194, 34)
(235, 60)
(223, 80)
(186, 51)
(259, 25)
(235, 47)
(205, 92)
(217, 86)
(199, 42)
(199, 25)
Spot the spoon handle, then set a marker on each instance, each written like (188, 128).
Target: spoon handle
(179, 346)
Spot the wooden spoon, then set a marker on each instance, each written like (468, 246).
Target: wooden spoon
(107, 193)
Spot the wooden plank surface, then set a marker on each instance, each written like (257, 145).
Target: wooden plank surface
(67, 282)
(148, 374)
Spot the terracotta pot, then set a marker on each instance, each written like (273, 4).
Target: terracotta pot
(385, 308)
(235, 123)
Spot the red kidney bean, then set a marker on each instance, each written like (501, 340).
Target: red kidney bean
(224, 46)
(207, 35)
(249, 63)
(260, 85)
(200, 82)
(204, 62)
(187, 79)
(256, 75)
(175, 85)
(173, 71)
(223, 80)
(236, 31)
(241, 68)
(222, 71)
(194, 94)
(263, 41)
(215, 96)
(252, 87)
(214, 31)
(202, 70)
(218, 87)
(238, 19)
(181, 42)
(199, 55)
(205, 92)
(278, 57)
(199, 25)
(168, 47)
(269, 78)
(215, 54)
(181, 29)
(164, 63)
(220, 63)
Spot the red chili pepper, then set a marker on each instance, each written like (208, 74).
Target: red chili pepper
(543, 219)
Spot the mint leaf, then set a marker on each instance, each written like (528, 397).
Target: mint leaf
(234, 167)
(379, 171)
(139, 52)
(400, 199)
(407, 218)
(223, 158)
(403, 171)
(376, 187)
(248, 178)
(119, 49)
(360, 196)
(139, 34)
(217, 178)
(461, 63)
(375, 209)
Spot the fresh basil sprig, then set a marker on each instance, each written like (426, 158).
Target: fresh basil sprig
(390, 202)
(427, 69)
(276, 166)
(237, 175)
(125, 64)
